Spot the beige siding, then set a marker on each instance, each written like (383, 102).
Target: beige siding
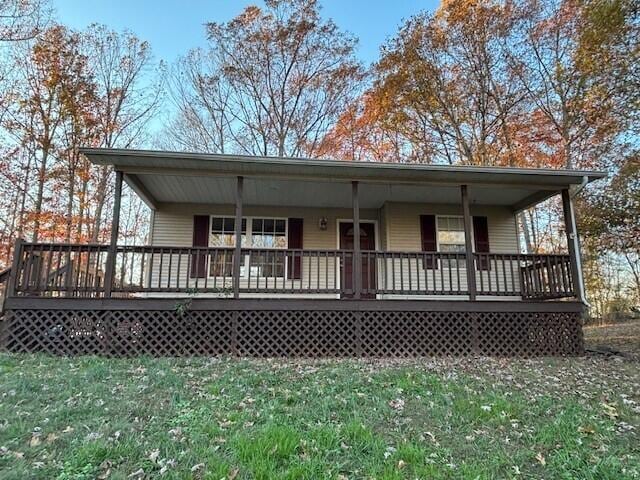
(403, 225)
(173, 226)
(398, 231)
(403, 233)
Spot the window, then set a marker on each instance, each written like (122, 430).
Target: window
(451, 234)
(268, 233)
(257, 233)
(451, 238)
(223, 231)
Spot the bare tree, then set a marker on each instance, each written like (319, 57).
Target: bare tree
(129, 95)
(202, 98)
(272, 82)
(22, 19)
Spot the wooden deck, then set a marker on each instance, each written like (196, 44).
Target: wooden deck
(175, 301)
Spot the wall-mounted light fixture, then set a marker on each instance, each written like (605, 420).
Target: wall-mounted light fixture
(322, 223)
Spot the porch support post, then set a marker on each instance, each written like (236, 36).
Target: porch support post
(16, 269)
(357, 255)
(113, 244)
(471, 270)
(573, 244)
(237, 260)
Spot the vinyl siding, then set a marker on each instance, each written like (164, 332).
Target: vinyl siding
(173, 226)
(398, 230)
(403, 234)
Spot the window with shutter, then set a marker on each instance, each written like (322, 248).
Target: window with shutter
(200, 239)
(428, 238)
(294, 267)
(481, 240)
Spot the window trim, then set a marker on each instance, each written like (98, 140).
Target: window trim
(473, 248)
(249, 235)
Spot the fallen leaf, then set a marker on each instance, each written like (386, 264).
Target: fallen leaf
(35, 440)
(610, 410)
(541, 459)
(153, 456)
(197, 467)
(233, 474)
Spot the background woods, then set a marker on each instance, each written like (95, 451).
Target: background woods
(529, 83)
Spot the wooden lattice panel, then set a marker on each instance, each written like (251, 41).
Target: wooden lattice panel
(411, 334)
(291, 333)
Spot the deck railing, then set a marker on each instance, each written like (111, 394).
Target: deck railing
(66, 270)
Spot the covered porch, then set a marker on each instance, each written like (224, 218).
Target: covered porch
(354, 220)
(289, 257)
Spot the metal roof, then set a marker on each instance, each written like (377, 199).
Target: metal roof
(140, 166)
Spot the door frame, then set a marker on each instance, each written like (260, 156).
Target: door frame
(376, 243)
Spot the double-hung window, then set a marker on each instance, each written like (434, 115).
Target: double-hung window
(451, 237)
(223, 234)
(265, 235)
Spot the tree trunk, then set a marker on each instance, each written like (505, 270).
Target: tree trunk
(40, 195)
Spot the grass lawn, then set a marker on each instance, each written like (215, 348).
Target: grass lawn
(88, 418)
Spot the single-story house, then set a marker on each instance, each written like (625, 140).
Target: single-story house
(266, 256)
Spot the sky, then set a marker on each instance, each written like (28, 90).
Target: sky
(172, 27)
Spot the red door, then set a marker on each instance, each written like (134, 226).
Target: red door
(367, 242)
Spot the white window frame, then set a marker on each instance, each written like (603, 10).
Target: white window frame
(249, 235)
(473, 248)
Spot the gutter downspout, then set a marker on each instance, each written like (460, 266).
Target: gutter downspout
(574, 194)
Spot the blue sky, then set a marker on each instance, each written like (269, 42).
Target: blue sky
(174, 26)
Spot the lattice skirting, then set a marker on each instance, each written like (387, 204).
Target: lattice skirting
(292, 333)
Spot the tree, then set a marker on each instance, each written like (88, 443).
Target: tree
(577, 106)
(611, 219)
(273, 82)
(445, 79)
(128, 99)
(55, 88)
(361, 135)
(22, 19)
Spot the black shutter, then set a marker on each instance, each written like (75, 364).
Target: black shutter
(481, 240)
(428, 238)
(294, 267)
(200, 239)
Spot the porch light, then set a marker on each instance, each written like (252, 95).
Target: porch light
(322, 223)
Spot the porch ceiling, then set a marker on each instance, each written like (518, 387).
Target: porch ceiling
(276, 192)
(169, 177)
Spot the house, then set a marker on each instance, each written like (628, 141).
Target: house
(263, 256)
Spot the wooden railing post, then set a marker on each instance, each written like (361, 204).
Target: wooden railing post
(471, 270)
(16, 267)
(110, 266)
(237, 260)
(573, 245)
(357, 254)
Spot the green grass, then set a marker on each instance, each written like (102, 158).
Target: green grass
(91, 418)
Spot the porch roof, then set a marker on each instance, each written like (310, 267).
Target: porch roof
(167, 177)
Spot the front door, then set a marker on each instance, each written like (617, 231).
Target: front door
(367, 242)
